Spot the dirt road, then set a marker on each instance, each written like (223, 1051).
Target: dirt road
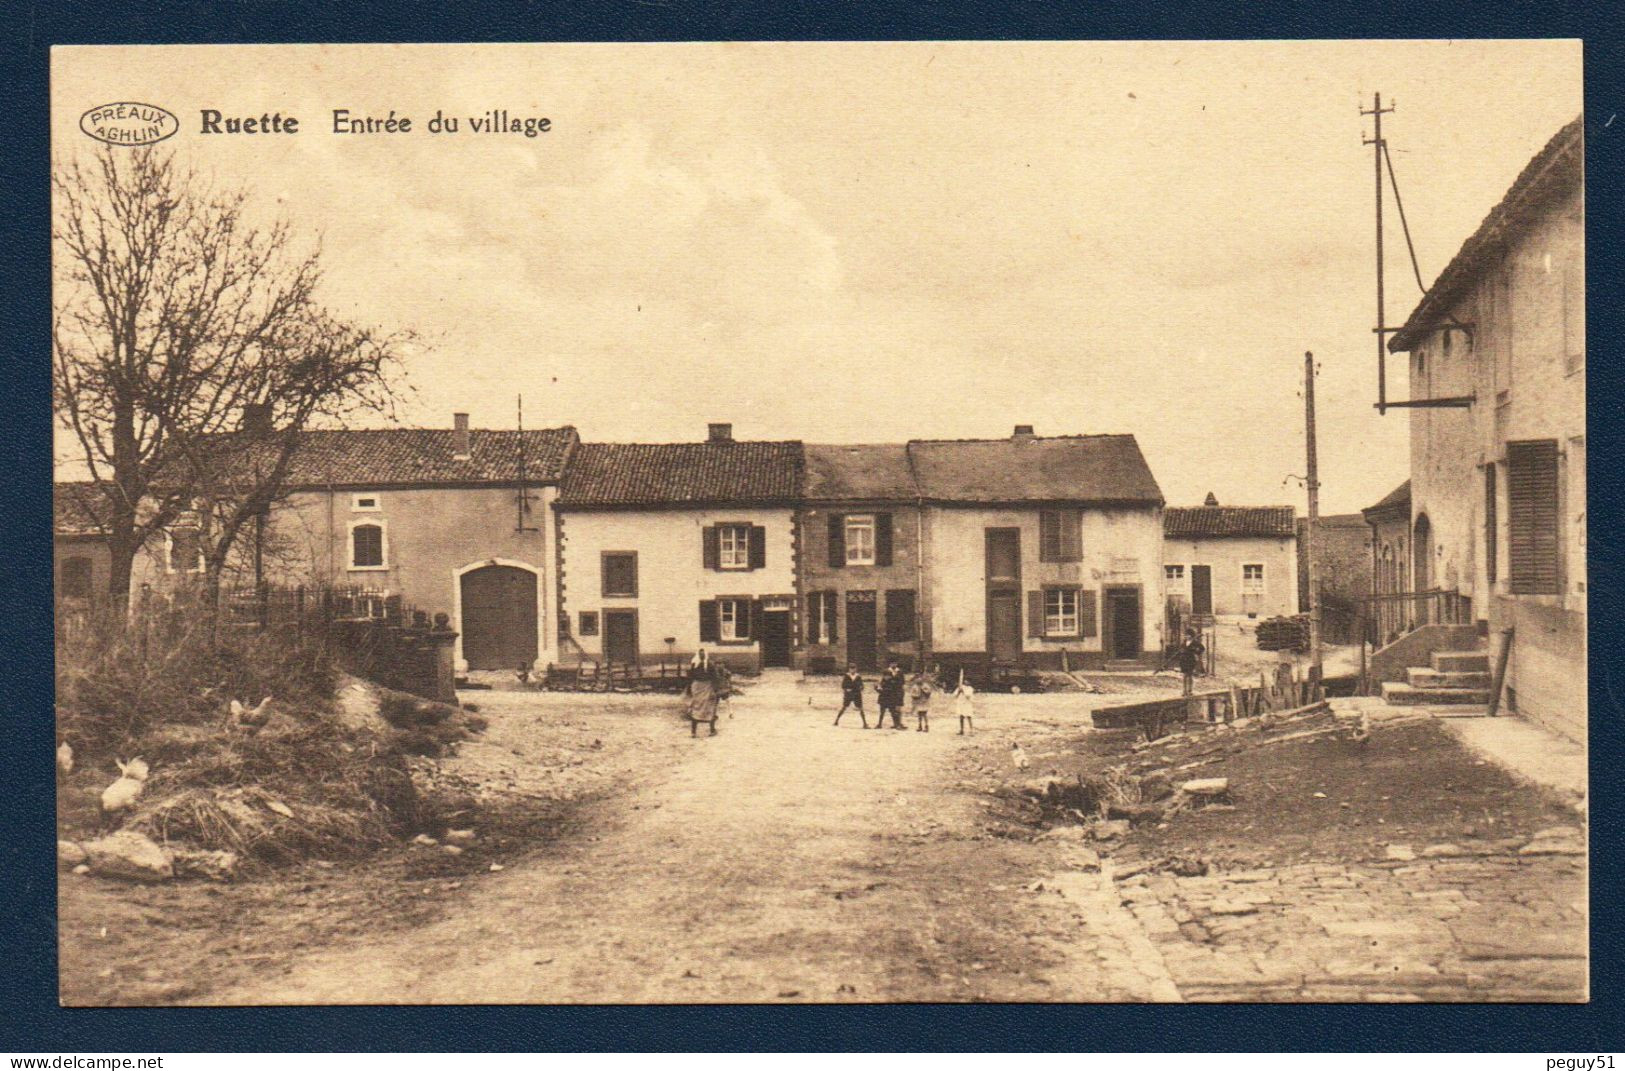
(783, 859)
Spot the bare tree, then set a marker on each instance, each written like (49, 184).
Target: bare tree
(190, 352)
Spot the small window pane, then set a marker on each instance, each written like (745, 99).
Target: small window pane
(733, 546)
(1061, 612)
(1252, 579)
(620, 575)
(860, 539)
(589, 622)
(368, 546)
(728, 616)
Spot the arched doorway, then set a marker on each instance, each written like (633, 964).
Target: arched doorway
(1422, 564)
(498, 616)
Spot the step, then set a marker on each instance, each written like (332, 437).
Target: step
(1404, 695)
(1122, 665)
(1420, 677)
(1461, 661)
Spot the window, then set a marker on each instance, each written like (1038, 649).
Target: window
(76, 579)
(1060, 536)
(185, 550)
(733, 543)
(900, 615)
(367, 546)
(1533, 521)
(619, 574)
(1174, 579)
(589, 622)
(1252, 578)
(821, 627)
(366, 503)
(860, 539)
(1060, 611)
(733, 620)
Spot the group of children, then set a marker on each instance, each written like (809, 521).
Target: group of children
(894, 688)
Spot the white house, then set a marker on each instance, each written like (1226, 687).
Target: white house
(665, 548)
(1239, 561)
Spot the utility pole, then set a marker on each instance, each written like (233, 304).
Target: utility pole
(1375, 141)
(1312, 483)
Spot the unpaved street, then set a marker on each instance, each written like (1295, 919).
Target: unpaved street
(781, 860)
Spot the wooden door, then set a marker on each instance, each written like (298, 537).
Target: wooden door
(499, 617)
(1123, 622)
(775, 637)
(1004, 625)
(1201, 589)
(621, 637)
(860, 629)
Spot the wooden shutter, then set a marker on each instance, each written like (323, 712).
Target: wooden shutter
(744, 626)
(1035, 614)
(709, 632)
(758, 547)
(1070, 538)
(1532, 518)
(900, 615)
(837, 541)
(882, 539)
(1088, 623)
(1491, 526)
(1049, 536)
(815, 602)
(832, 608)
(710, 548)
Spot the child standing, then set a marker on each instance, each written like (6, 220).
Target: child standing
(891, 688)
(852, 695)
(919, 697)
(964, 704)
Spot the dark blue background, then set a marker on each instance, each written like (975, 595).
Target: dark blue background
(30, 1020)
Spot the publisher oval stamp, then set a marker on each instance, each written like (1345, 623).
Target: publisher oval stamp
(129, 123)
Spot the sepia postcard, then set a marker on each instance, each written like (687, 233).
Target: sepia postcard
(508, 499)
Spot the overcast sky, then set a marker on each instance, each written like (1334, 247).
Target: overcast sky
(880, 242)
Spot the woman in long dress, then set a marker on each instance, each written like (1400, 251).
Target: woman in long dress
(702, 695)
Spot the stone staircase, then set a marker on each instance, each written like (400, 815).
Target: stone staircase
(1456, 678)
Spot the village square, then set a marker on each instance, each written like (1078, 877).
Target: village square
(357, 709)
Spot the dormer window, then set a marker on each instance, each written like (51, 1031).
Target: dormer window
(366, 502)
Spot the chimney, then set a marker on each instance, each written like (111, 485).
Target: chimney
(1023, 432)
(257, 418)
(460, 447)
(1210, 500)
(720, 433)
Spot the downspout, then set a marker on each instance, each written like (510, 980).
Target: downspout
(920, 616)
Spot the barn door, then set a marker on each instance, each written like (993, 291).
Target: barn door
(1201, 589)
(499, 617)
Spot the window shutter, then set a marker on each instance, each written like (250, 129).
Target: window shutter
(758, 547)
(1491, 523)
(746, 622)
(1088, 625)
(1532, 519)
(831, 606)
(900, 615)
(837, 541)
(710, 552)
(882, 539)
(709, 632)
(1035, 613)
(815, 602)
(1049, 536)
(1071, 536)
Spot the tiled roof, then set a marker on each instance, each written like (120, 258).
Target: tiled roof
(73, 508)
(858, 473)
(1223, 522)
(679, 474)
(1394, 501)
(1552, 172)
(1069, 468)
(394, 456)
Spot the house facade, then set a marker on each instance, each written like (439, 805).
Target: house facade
(1041, 549)
(80, 563)
(1231, 561)
(1389, 521)
(861, 534)
(667, 548)
(1498, 483)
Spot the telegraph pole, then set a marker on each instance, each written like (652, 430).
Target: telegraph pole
(1375, 141)
(1312, 482)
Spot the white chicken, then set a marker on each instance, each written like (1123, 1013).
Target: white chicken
(1018, 756)
(251, 719)
(122, 794)
(64, 760)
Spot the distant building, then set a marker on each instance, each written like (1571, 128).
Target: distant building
(81, 564)
(666, 548)
(1041, 549)
(1343, 553)
(1389, 522)
(1231, 561)
(1498, 486)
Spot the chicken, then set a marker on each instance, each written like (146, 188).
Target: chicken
(1018, 756)
(122, 794)
(64, 760)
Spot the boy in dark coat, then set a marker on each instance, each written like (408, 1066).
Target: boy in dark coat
(1190, 658)
(852, 695)
(892, 686)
